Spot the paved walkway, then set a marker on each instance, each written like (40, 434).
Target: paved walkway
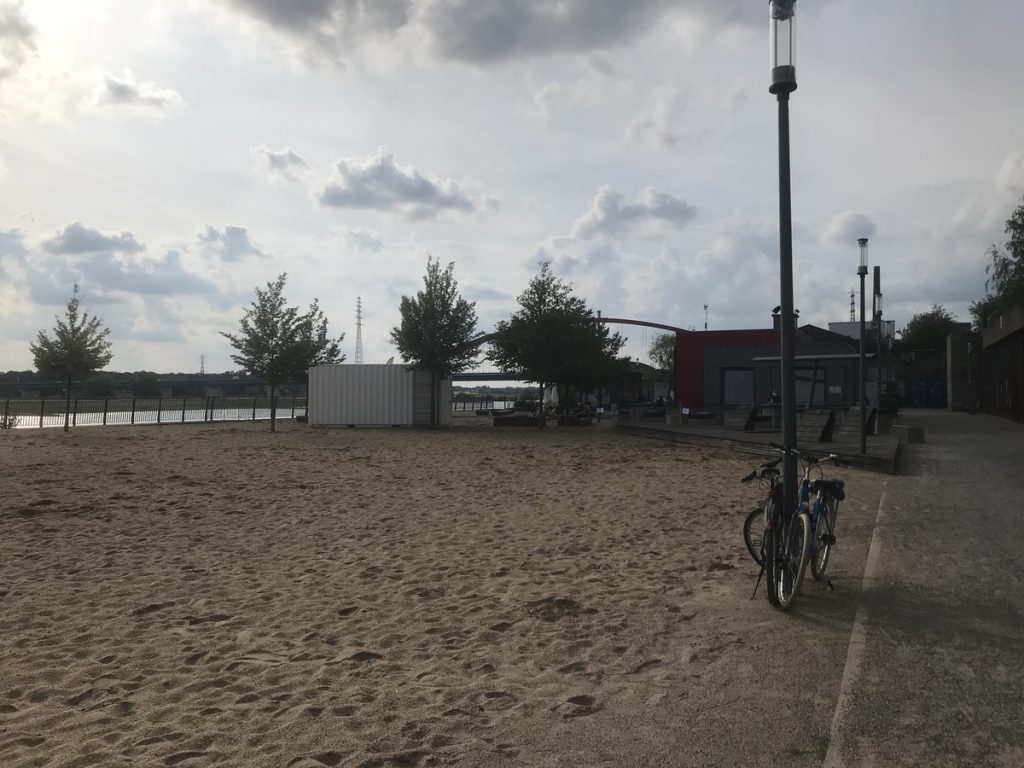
(935, 671)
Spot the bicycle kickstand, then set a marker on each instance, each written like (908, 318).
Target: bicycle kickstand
(758, 583)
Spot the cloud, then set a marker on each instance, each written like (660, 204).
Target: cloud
(658, 128)
(360, 239)
(847, 227)
(493, 30)
(377, 183)
(609, 215)
(328, 30)
(12, 243)
(105, 274)
(17, 39)
(284, 163)
(231, 244)
(479, 31)
(1010, 179)
(130, 92)
(76, 238)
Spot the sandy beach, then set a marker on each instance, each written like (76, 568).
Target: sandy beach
(220, 595)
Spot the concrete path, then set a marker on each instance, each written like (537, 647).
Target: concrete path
(935, 671)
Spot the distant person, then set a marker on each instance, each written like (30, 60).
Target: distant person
(775, 399)
(660, 402)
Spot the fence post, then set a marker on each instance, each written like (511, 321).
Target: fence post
(74, 414)
(42, 410)
(184, 401)
(133, 410)
(106, 402)
(254, 408)
(159, 408)
(293, 407)
(7, 411)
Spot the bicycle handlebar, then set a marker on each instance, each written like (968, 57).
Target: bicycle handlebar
(805, 456)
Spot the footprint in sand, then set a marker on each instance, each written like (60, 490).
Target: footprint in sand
(577, 706)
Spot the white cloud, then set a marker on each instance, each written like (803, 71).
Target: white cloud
(660, 127)
(230, 244)
(610, 215)
(847, 227)
(284, 163)
(1010, 179)
(364, 240)
(17, 39)
(377, 183)
(76, 238)
(127, 91)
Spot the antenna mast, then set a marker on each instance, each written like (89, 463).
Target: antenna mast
(202, 365)
(359, 330)
(853, 307)
(705, 317)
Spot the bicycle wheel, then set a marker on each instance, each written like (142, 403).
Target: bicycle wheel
(792, 561)
(753, 534)
(824, 537)
(772, 549)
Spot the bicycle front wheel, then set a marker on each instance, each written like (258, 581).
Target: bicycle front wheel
(792, 561)
(825, 537)
(753, 535)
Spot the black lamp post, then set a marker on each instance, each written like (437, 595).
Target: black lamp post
(862, 272)
(878, 356)
(783, 84)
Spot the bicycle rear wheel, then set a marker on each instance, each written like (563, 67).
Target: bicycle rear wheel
(753, 535)
(792, 561)
(824, 537)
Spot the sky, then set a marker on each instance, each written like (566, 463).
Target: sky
(170, 157)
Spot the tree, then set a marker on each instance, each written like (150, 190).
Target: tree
(278, 344)
(145, 384)
(555, 339)
(928, 330)
(663, 352)
(78, 347)
(1005, 284)
(438, 329)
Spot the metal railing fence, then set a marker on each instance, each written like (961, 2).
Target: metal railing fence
(49, 412)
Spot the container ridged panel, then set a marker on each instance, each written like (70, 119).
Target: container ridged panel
(364, 395)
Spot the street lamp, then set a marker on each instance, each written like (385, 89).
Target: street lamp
(784, 83)
(878, 353)
(862, 272)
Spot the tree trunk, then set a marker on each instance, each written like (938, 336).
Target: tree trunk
(67, 406)
(540, 407)
(433, 400)
(273, 408)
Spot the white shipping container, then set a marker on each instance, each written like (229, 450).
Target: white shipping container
(374, 396)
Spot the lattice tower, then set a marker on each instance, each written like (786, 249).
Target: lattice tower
(359, 330)
(853, 306)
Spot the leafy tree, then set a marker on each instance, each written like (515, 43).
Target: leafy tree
(78, 347)
(278, 344)
(928, 330)
(438, 329)
(554, 338)
(100, 385)
(663, 352)
(1005, 284)
(145, 384)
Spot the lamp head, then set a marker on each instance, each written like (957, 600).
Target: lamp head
(783, 46)
(863, 244)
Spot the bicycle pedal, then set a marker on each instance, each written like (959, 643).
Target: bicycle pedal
(828, 540)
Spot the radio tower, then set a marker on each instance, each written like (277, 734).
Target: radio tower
(359, 330)
(202, 365)
(853, 307)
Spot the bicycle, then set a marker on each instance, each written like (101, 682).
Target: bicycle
(805, 535)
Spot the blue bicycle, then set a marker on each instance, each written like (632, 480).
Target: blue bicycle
(783, 544)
